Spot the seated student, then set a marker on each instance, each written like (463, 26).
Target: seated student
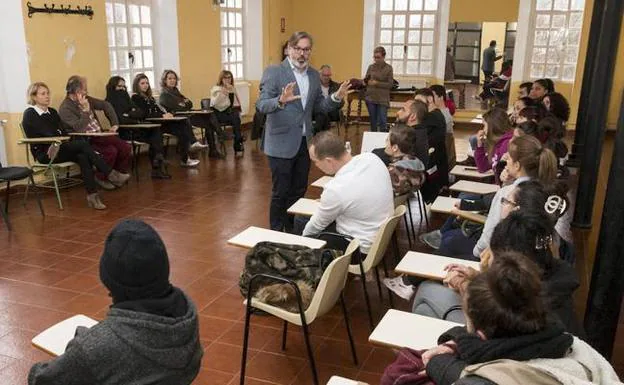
(558, 106)
(151, 332)
(148, 108)
(328, 87)
(77, 113)
(407, 172)
(412, 114)
(128, 113)
(519, 105)
(534, 113)
(436, 134)
(498, 82)
(173, 101)
(492, 140)
(524, 89)
(358, 199)
(226, 104)
(439, 98)
(541, 87)
(41, 121)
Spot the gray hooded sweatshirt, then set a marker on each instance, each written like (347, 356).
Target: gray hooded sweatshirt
(128, 347)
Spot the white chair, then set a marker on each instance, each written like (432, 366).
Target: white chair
(328, 292)
(376, 255)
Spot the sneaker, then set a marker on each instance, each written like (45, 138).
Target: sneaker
(190, 163)
(397, 286)
(104, 184)
(197, 146)
(432, 239)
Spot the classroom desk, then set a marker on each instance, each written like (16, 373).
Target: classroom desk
(444, 205)
(304, 206)
(138, 126)
(460, 84)
(172, 119)
(93, 134)
(252, 235)
(475, 187)
(471, 172)
(429, 266)
(373, 140)
(322, 181)
(194, 112)
(337, 380)
(54, 339)
(47, 139)
(400, 329)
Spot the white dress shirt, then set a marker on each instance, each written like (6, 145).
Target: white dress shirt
(359, 199)
(303, 82)
(39, 110)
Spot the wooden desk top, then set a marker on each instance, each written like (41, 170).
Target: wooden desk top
(194, 112)
(444, 205)
(54, 339)
(471, 172)
(105, 133)
(373, 140)
(322, 181)
(458, 81)
(400, 329)
(337, 380)
(252, 235)
(475, 187)
(139, 125)
(47, 139)
(429, 265)
(304, 206)
(173, 119)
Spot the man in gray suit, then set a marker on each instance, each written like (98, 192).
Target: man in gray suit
(289, 94)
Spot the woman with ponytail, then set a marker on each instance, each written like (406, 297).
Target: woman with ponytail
(492, 140)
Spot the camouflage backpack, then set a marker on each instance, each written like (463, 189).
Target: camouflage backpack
(301, 264)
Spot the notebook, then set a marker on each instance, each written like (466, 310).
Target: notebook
(54, 339)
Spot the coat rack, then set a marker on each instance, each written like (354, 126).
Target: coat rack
(87, 10)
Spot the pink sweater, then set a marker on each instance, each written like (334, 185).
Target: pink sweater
(500, 148)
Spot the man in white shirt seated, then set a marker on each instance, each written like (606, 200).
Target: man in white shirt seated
(358, 199)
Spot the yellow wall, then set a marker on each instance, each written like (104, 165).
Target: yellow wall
(484, 10)
(493, 31)
(275, 10)
(337, 30)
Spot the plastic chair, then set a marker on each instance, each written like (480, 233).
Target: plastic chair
(328, 292)
(376, 255)
(8, 174)
(49, 168)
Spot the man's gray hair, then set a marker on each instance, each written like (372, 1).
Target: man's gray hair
(324, 66)
(295, 37)
(74, 84)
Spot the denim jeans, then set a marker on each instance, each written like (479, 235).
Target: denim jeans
(378, 116)
(473, 142)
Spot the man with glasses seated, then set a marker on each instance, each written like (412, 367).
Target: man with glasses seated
(289, 93)
(328, 87)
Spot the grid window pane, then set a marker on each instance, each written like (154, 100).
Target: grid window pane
(413, 37)
(416, 5)
(544, 5)
(413, 52)
(121, 37)
(425, 67)
(428, 21)
(397, 52)
(138, 59)
(558, 21)
(111, 36)
(386, 5)
(386, 21)
(385, 36)
(426, 52)
(110, 16)
(412, 68)
(398, 37)
(147, 36)
(148, 58)
(542, 21)
(146, 17)
(427, 37)
(400, 5)
(135, 36)
(232, 29)
(122, 60)
(120, 13)
(415, 21)
(134, 14)
(399, 21)
(561, 5)
(431, 5)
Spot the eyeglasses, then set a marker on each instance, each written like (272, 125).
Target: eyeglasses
(304, 50)
(377, 57)
(508, 202)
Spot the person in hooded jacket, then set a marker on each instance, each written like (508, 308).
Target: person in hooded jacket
(150, 334)
(128, 113)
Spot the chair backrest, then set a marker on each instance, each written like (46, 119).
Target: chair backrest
(332, 282)
(380, 244)
(27, 147)
(205, 104)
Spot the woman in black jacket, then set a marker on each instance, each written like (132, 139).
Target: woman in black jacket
(128, 113)
(148, 108)
(40, 121)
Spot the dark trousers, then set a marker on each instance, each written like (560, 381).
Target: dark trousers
(210, 124)
(290, 182)
(81, 152)
(378, 116)
(232, 118)
(151, 136)
(115, 152)
(322, 120)
(184, 131)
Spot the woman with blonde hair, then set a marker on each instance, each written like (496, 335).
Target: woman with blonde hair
(40, 121)
(226, 104)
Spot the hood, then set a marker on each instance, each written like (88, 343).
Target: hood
(413, 164)
(166, 341)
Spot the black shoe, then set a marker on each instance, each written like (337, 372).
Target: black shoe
(160, 174)
(214, 153)
(469, 161)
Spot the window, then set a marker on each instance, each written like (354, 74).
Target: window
(465, 42)
(131, 49)
(232, 46)
(407, 29)
(555, 45)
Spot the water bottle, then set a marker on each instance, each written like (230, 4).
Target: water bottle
(348, 147)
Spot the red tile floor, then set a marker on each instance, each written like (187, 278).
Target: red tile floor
(49, 271)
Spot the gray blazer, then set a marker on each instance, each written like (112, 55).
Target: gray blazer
(284, 126)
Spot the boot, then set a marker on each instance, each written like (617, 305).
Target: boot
(94, 201)
(117, 178)
(159, 168)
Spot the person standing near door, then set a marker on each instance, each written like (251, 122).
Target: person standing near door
(489, 58)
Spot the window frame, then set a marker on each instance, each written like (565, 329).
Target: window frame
(137, 51)
(238, 66)
(432, 60)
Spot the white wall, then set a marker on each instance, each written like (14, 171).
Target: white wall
(252, 20)
(165, 23)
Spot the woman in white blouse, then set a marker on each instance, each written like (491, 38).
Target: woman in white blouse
(226, 104)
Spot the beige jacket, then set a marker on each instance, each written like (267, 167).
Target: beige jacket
(220, 101)
(379, 93)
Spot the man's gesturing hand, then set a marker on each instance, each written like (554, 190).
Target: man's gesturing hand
(288, 94)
